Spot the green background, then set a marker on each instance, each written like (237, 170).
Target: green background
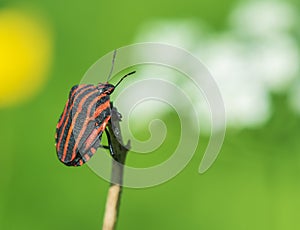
(254, 184)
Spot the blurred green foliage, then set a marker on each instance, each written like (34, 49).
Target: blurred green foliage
(253, 184)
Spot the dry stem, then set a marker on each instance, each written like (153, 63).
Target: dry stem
(115, 190)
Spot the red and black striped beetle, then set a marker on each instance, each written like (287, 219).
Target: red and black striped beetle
(83, 121)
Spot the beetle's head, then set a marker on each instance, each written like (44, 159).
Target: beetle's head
(106, 88)
(109, 88)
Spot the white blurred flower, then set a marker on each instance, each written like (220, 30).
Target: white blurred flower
(263, 18)
(255, 57)
(245, 97)
(181, 33)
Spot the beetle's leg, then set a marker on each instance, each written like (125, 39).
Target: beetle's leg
(104, 146)
(116, 113)
(119, 115)
(111, 150)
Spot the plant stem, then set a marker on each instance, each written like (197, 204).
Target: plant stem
(115, 190)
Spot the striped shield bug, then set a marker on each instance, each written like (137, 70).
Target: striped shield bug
(83, 121)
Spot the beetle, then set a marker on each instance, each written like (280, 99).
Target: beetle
(83, 121)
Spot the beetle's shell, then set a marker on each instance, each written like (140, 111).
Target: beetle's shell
(84, 118)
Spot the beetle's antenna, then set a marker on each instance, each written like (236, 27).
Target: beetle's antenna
(112, 64)
(124, 77)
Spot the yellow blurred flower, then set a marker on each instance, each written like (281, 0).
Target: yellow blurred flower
(25, 54)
